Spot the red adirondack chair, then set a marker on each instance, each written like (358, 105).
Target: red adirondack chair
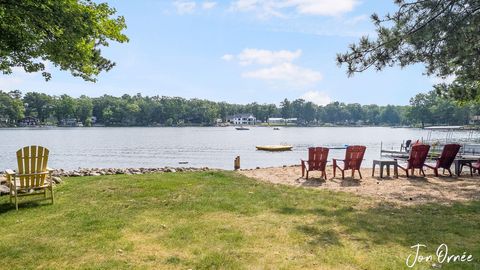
(416, 160)
(353, 160)
(446, 159)
(317, 160)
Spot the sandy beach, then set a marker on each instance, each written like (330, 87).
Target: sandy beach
(402, 190)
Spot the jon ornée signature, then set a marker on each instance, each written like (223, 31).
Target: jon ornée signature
(440, 256)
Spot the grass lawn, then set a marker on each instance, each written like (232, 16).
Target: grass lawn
(220, 220)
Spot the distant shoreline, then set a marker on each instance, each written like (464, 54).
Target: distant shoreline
(202, 126)
(433, 128)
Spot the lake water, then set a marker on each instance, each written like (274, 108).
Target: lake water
(214, 147)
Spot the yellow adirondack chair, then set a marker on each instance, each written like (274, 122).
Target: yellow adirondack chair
(33, 177)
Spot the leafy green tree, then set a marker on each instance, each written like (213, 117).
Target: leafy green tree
(320, 115)
(147, 107)
(84, 110)
(65, 107)
(372, 114)
(333, 113)
(420, 108)
(286, 109)
(169, 122)
(309, 112)
(38, 105)
(298, 109)
(69, 34)
(107, 116)
(390, 115)
(11, 107)
(442, 34)
(355, 112)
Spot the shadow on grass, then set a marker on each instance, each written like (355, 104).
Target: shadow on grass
(26, 204)
(312, 182)
(430, 224)
(320, 237)
(318, 181)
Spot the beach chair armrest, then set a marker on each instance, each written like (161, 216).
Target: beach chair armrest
(336, 160)
(401, 167)
(429, 166)
(9, 172)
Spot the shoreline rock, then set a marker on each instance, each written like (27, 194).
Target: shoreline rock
(128, 171)
(58, 174)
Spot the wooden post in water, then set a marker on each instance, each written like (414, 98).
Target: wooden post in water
(381, 149)
(236, 163)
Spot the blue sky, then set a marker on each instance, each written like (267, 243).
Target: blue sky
(239, 51)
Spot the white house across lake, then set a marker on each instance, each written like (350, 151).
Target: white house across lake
(242, 119)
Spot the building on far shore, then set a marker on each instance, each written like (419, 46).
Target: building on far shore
(276, 120)
(282, 121)
(70, 122)
(291, 120)
(242, 119)
(29, 121)
(475, 120)
(4, 121)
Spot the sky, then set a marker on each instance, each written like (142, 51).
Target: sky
(239, 51)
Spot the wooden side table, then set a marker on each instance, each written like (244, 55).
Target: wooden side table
(387, 163)
(460, 162)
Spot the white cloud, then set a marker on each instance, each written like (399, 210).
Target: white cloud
(185, 7)
(208, 4)
(268, 8)
(322, 7)
(266, 57)
(317, 97)
(285, 72)
(228, 57)
(245, 5)
(263, 9)
(275, 66)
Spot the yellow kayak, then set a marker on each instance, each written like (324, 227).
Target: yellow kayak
(274, 147)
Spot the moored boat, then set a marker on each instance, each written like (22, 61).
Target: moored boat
(274, 147)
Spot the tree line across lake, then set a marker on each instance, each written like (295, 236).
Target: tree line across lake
(138, 110)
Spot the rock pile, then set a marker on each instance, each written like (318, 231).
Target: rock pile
(58, 173)
(128, 171)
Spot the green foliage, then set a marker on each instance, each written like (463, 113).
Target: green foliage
(38, 105)
(11, 108)
(433, 109)
(68, 34)
(169, 122)
(286, 109)
(84, 110)
(390, 115)
(175, 111)
(442, 34)
(65, 107)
